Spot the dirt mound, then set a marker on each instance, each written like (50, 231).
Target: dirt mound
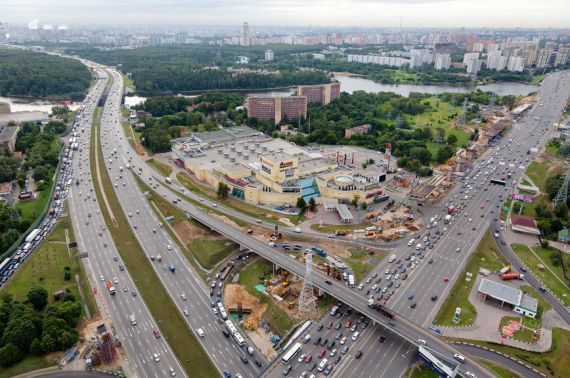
(235, 294)
(189, 232)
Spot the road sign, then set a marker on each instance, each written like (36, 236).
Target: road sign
(82, 255)
(72, 245)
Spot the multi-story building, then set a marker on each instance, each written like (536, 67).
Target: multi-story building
(470, 56)
(392, 61)
(442, 61)
(562, 56)
(415, 58)
(277, 108)
(245, 35)
(268, 55)
(496, 60)
(543, 58)
(516, 64)
(473, 66)
(322, 94)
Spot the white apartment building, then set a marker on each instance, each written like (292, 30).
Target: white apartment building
(442, 61)
(516, 64)
(470, 56)
(496, 61)
(473, 66)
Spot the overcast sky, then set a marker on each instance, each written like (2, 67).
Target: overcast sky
(370, 13)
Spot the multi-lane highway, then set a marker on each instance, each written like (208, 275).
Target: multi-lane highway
(103, 264)
(184, 285)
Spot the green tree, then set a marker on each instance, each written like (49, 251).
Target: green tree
(66, 273)
(312, 205)
(38, 297)
(364, 206)
(10, 354)
(561, 211)
(451, 139)
(36, 347)
(223, 190)
(355, 200)
(444, 152)
(421, 154)
(301, 204)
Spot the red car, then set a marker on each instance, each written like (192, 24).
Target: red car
(329, 326)
(156, 333)
(446, 279)
(322, 353)
(309, 358)
(348, 323)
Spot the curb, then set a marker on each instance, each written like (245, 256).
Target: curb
(501, 354)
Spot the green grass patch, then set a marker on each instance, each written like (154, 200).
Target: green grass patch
(486, 255)
(29, 363)
(45, 268)
(540, 172)
(254, 273)
(524, 334)
(188, 350)
(31, 210)
(210, 252)
(500, 370)
(362, 262)
(537, 79)
(420, 371)
(332, 228)
(554, 363)
(162, 168)
(555, 282)
(241, 206)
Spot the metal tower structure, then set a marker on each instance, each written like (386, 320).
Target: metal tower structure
(307, 303)
(399, 121)
(562, 195)
(463, 113)
(492, 101)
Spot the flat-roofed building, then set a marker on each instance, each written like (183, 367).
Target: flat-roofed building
(521, 303)
(277, 108)
(362, 129)
(320, 94)
(8, 136)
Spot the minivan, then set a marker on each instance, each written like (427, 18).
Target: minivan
(323, 364)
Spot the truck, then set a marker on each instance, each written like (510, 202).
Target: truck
(319, 251)
(511, 276)
(110, 287)
(447, 219)
(168, 180)
(32, 235)
(340, 233)
(351, 280)
(450, 210)
(505, 269)
(297, 230)
(381, 309)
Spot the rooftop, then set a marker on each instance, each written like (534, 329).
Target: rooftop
(523, 221)
(7, 133)
(343, 212)
(501, 292)
(529, 303)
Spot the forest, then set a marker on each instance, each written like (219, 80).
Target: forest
(171, 70)
(38, 75)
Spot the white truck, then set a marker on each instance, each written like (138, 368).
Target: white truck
(168, 180)
(447, 219)
(351, 280)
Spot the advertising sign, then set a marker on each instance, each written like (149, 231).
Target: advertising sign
(522, 197)
(285, 164)
(266, 169)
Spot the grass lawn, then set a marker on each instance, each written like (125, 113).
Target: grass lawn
(537, 79)
(524, 334)
(501, 371)
(504, 214)
(554, 363)
(539, 172)
(420, 371)
(31, 210)
(29, 363)
(331, 228)
(238, 205)
(163, 168)
(253, 274)
(45, 268)
(188, 350)
(552, 281)
(210, 252)
(358, 261)
(488, 256)
(551, 149)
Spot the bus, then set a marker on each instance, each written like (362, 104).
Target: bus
(239, 339)
(4, 265)
(498, 182)
(230, 326)
(291, 353)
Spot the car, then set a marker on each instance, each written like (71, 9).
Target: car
(244, 359)
(459, 357)
(337, 359)
(434, 297)
(343, 340)
(102, 278)
(348, 323)
(301, 358)
(337, 326)
(322, 352)
(422, 341)
(134, 293)
(382, 338)
(172, 372)
(156, 333)
(319, 327)
(458, 250)
(287, 370)
(183, 296)
(413, 305)
(155, 357)
(329, 325)
(333, 353)
(328, 282)
(338, 336)
(258, 363)
(227, 373)
(469, 374)
(311, 366)
(309, 358)
(358, 354)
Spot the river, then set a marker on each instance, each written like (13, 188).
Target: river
(28, 105)
(348, 83)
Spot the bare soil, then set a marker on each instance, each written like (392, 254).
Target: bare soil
(234, 294)
(188, 232)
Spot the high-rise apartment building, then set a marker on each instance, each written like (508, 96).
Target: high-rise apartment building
(322, 94)
(496, 60)
(516, 64)
(543, 58)
(277, 108)
(470, 56)
(245, 35)
(563, 55)
(442, 61)
(473, 66)
(268, 55)
(415, 58)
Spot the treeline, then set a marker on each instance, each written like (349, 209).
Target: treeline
(164, 70)
(33, 328)
(31, 74)
(170, 117)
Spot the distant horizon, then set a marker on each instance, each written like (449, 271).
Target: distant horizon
(447, 14)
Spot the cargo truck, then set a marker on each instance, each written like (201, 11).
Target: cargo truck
(512, 276)
(110, 287)
(450, 210)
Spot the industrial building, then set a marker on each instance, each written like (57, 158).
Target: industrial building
(522, 304)
(277, 108)
(266, 171)
(320, 94)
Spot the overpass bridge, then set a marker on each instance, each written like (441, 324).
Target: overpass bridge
(400, 325)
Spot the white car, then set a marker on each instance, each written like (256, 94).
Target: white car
(301, 358)
(183, 296)
(115, 280)
(155, 357)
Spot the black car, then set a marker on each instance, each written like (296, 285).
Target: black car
(319, 327)
(434, 298)
(287, 370)
(258, 363)
(337, 359)
(244, 359)
(430, 261)
(226, 333)
(382, 338)
(413, 305)
(328, 282)
(311, 366)
(358, 354)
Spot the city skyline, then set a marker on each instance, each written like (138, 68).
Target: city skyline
(319, 13)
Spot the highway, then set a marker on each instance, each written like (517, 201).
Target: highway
(185, 287)
(92, 236)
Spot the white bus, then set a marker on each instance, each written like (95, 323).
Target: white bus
(239, 339)
(231, 327)
(291, 353)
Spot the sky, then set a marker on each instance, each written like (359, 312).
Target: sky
(342, 13)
